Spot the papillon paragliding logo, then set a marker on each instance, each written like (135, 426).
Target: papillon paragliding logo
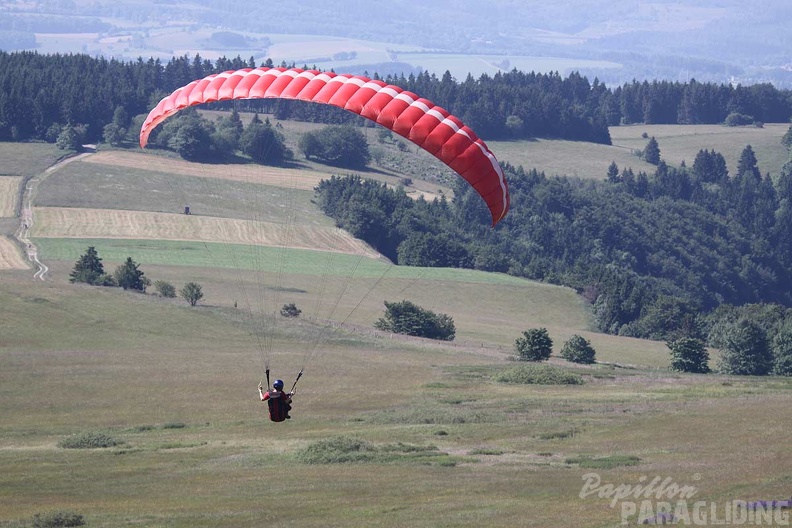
(664, 501)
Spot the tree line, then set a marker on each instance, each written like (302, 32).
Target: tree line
(89, 269)
(42, 91)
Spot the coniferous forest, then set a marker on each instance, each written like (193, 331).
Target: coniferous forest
(658, 255)
(41, 90)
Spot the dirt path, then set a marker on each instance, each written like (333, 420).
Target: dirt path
(26, 218)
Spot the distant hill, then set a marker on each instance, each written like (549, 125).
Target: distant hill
(709, 40)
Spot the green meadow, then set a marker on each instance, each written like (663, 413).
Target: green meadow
(386, 430)
(678, 144)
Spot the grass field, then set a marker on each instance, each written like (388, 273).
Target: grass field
(27, 159)
(678, 143)
(682, 142)
(387, 431)
(177, 387)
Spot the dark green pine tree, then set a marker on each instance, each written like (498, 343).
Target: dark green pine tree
(88, 268)
(129, 277)
(652, 152)
(613, 173)
(748, 163)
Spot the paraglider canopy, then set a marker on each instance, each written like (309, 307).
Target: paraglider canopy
(419, 120)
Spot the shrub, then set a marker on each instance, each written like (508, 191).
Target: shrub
(57, 519)
(343, 450)
(165, 289)
(607, 462)
(738, 119)
(89, 440)
(555, 435)
(538, 375)
(290, 310)
(410, 319)
(689, 355)
(337, 450)
(578, 350)
(486, 451)
(534, 345)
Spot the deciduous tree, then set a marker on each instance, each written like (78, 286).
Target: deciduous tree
(745, 350)
(689, 355)
(534, 345)
(578, 349)
(192, 293)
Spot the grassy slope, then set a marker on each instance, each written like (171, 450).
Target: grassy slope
(27, 159)
(176, 365)
(76, 359)
(678, 143)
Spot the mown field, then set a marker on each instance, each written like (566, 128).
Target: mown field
(386, 431)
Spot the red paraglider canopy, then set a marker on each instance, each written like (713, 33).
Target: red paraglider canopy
(419, 120)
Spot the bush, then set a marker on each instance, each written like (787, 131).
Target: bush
(578, 350)
(538, 375)
(410, 319)
(290, 310)
(738, 119)
(165, 289)
(57, 519)
(338, 450)
(689, 355)
(607, 462)
(345, 450)
(89, 440)
(535, 345)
